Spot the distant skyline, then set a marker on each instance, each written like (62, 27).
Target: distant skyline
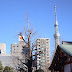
(13, 14)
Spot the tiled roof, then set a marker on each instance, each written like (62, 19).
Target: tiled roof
(67, 49)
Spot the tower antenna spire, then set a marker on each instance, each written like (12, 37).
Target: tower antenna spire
(27, 21)
(56, 23)
(55, 15)
(56, 35)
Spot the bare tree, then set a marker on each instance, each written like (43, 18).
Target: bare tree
(30, 41)
(30, 44)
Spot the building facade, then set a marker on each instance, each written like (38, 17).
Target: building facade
(16, 49)
(21, 51)
(2, 48)
(43, 53)
(20, 48)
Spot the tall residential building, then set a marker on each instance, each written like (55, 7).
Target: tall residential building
(2, 48)
(56, 35)
(43, 53)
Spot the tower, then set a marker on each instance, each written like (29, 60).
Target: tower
(56, 35)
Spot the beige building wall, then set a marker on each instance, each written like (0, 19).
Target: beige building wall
(20, 50)
(43, 51)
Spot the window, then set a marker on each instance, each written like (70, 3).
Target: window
(42, 57)
(39, 64)
(13, 46)
(39, 51)
(39, 57)
(39, 61)
(39, 54)
(47, 39)
(42, 48)
(46, 42)
(39, 48)
(38, 39)
(17, 46)
(0, 51)
(43, 61)
(43, 67)
(39, 45)
(38, 42)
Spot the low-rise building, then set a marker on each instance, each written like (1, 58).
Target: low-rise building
(62, 60)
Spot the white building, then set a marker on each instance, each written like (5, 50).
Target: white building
(43, 51)
(2, 48)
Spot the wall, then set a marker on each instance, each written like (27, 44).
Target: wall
(67, 68)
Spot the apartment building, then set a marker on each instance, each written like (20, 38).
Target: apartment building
(19, 48)
(43, 53)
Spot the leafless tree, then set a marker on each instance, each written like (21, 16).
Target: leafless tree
(30, 44)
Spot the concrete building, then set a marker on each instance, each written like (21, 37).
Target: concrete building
(56, 35)
(43, 53)
(2, 48)
(20, 48)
